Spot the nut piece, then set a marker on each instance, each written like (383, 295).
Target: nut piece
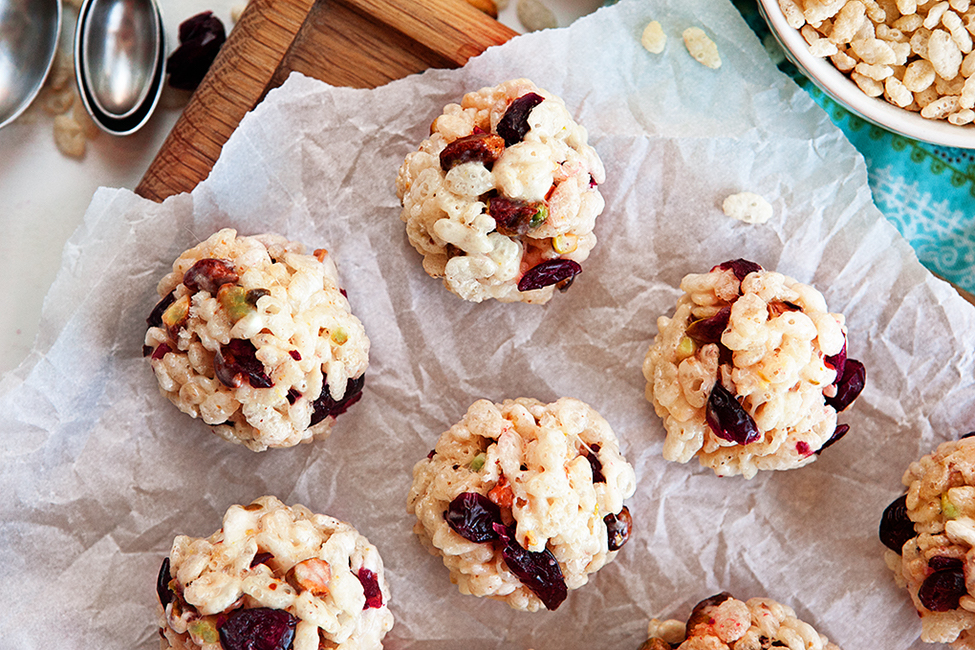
(311, 575)
(653, 39)
(478, 147)
(702, 48)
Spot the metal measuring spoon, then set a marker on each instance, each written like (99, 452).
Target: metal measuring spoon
(120, 52)
(29, 32)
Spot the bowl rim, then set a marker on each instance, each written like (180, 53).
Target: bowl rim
(844, 90)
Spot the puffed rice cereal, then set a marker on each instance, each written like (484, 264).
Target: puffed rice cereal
(523, 500)
(502, 198)
(750, 372)
(916, 54)
(257, 339)
(722, 622)
(930, 535)
(274, 577)
(747, 207)
(701, 47)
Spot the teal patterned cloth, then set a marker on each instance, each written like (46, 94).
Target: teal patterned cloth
(927, 191)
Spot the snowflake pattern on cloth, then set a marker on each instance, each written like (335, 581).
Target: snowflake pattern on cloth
(927, 191)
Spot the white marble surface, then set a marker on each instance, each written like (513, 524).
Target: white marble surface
(44, 194)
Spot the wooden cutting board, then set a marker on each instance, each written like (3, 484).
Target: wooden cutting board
(358, 43)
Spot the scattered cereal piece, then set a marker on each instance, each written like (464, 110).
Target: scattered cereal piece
(654, 39)
(702, 48)
(69, 136)
(535, 15)
(748, 207)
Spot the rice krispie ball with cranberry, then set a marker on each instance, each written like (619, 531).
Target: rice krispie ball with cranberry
(257, 339)
(523, 500)
(722, 622)
(502, 198)
(930, 534)
(750, 372)
(274, 577)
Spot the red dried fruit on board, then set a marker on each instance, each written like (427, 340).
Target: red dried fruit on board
(200, 40)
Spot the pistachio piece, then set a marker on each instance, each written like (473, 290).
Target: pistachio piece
(312, 575)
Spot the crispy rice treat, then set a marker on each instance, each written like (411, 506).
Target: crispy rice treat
(502, 198)
(930, 533)
(750, 372)
(523, 500)
(271, 576)
(724, 623)
(257, 340)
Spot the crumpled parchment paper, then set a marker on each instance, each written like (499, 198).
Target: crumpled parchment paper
(98, 472)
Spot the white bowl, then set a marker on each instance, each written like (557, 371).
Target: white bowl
(842, 89)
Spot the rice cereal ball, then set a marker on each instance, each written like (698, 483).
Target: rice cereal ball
(930, 535)
(274, 577)
(750, 372)
(502, 198)
(257, 340)
(523, 500)
(722, 622)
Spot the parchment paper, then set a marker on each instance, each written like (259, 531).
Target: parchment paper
(99, 472)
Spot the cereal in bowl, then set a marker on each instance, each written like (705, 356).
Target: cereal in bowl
(723, 622)
(929, 533)
(523, 500)
(502, 198)
(915, 54)
(750, 372)
(276, 577)
(257, 339)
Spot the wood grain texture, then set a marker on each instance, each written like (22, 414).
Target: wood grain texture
(358, 43)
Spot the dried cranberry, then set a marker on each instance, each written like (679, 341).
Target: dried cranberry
(968, 435)
(596, 464)
(728, 419)
(837, 362)
(295, 355)
(162, 584)
(370, 588)
(838, 432)
(155, 316)
(478, 147)
(941, 591)
(433, 452)
(513, 217)
(709, 330)
(547, 273)
(514, 123)
(618, 528)
(260, 628)
(539, 571)
(325, 406)
(896, 526)
(261, 558)
(740, 267)
(850, 386)
(200, 39)
(209, 274)
(942, 563)
(236, 362)
(161, 351)
(472, 516)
